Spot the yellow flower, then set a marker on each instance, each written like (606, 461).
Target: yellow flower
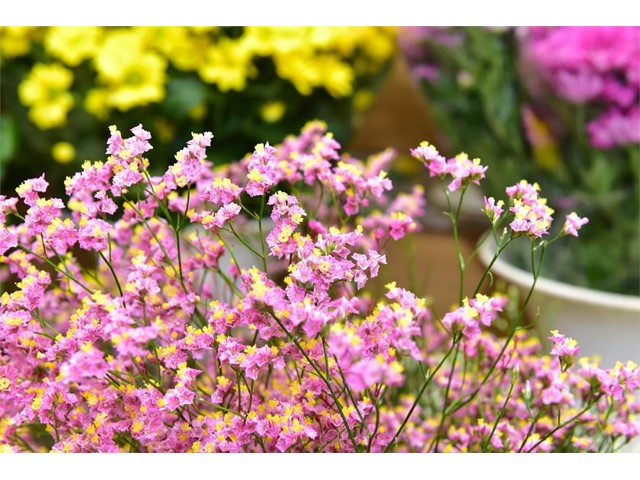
(45, 91)
(132, 75)
(336, 76)
(178, 44)
(363, 99)
(16, 41)
(72, 45)
(271, 112)
(228, 65)
(63, 152)
(97, 103)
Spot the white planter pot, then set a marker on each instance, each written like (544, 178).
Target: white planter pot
(604, 324)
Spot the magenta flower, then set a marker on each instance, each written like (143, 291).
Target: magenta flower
(29, 189)
(430, 156)
(492, 209)
(573, 223)
(93, 234)
(190, 162)
(464, 171)
(262, 170)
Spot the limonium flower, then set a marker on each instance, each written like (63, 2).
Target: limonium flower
(533, 217)
(565, 348)
(573, 223)
(168, 342)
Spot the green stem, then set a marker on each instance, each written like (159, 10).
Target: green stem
(113, 272)
(70, 277)
(500, 414)
(536, 274)
(446, 397)
(562, 425)
(418, 397)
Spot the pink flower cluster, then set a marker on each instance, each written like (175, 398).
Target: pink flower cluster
(152, 343)
(461, 168)
(598, 66)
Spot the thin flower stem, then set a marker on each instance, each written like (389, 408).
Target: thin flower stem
(456, 239)
(499, 251)
(446, 397)
(350, 395)
(536, 274)
(530, 431)
(418, 397)
(500, 414)
(561, 426)
(262, 245)
(113, 272)
(44, 259)
(246, 244)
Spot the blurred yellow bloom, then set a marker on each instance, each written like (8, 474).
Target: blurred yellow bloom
(336, 76)
(298, 70)
(545, 149)
(363, 99)
(182, 46)
(63, 152)
(271, 112)
(72, 45)
(97, 103)
(16, 41)
(228, 65)
(132, 74)
(46, 91)
(131, 63)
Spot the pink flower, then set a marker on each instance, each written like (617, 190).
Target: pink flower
(563, 347)
(29, 189)
(467, 318)
(190, 162)
(262, 170)
(60, 235)
(41, 213)
(212, 221)
(573, 223)
(615, 128)
(532, 215)
(492, 209)
(93, 234)
(579, 86)
(430, 156)
(8, 239)
(7, 205)
(464, 171)
(222, 190)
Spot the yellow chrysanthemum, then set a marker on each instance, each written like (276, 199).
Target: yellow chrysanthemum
(182, 46)
(46, 91)
(97, 103)
(72, 45)
(16, 41)
(132, 75)
(228, 65)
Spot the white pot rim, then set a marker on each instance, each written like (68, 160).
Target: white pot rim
(523, 278)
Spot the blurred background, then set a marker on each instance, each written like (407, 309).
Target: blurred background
(554, 105)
